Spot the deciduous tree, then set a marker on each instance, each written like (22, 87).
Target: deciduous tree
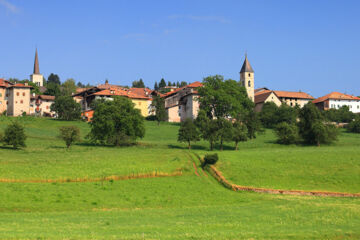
(69, 134)
(188, 132)
(14, 135)
(66, 108)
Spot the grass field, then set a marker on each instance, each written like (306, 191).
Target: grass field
(182, 207)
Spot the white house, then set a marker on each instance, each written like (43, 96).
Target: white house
(336, 100)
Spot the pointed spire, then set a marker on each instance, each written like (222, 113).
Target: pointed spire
(36, 63)
(246, 67)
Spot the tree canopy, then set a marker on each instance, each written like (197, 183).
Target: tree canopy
(66, 108)
(138, 84)
(117, 122)
(160, 112)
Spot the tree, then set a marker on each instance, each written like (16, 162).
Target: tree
(354, 126)
(177, 84)
(225, 131)
(208, 128)
(162, 83)
(287, 133)
(52, 89)
(169, 84)
(188, 132)
(69, 134)
(343, 115)
(240, 133)
(14, 135)
(68, 87)
(156, 87)
(160, 112)
(312, 126)
(54, 78)
(287, 114)
(183, 84)
(66, 108)
(138, 84)
(223, 99)
(117, 122)
(80, 85)
(252, 122)
(267, 115)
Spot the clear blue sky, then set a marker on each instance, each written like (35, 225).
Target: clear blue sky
(313, 46)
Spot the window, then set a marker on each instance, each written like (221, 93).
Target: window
(24, 94)
(17, 94)
(249, 75)
(47, 107)
(21, 101)
(249, 83)
(291, 104)
(139, 103)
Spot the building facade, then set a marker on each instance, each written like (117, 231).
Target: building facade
(247, 78)
(336, 100)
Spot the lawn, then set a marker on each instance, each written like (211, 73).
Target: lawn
(181, 207)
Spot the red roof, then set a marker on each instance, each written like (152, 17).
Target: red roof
(192, 85)
(47, 97)
(145, 92)
(119, 92)
(337, 96)
(262, 96)
(287, 94)
(4, 83)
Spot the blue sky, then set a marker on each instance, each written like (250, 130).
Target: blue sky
(312, 46)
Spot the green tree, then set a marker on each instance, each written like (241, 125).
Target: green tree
(68, 87)
(285, 113)
(162, 83)
(69, 134)
(188, 132)
(160, 112)
(52, 89)
(240, 133)
(287, 133)
(138, 84)
(354, 126)
(183, 84)
(208, 128)
(267, 115)
(80, 85)
(156, 87)
(117, 122)
(252, 122)
(54, 78)
(224, 131)
(223, 99)
(312, 126)
(14, 135)
(66, 108)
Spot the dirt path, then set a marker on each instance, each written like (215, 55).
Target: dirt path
(108, 178)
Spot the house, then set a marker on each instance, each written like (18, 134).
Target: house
(263, 95)
(40, 105)
(141, 97)
(336, 100)
(14, 98)
(182, 103)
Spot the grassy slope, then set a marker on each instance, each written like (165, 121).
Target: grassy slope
(186, 207)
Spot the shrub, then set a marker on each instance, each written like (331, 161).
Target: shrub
(14, 135)
(287, 133)
(69, 134)
(354, 126)
(210, 159)
(23, 114)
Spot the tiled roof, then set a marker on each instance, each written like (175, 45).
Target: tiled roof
(191, 85)
(47, 97)
(287, 94)
(119, 92)
(145, 92)
(4, 83)
(19, 85)
(262, 96)
(246, 67)
(260, 89)
(336, 96)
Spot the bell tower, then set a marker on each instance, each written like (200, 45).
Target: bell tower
(247, 78)
(36, 77)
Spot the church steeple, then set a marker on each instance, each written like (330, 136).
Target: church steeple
(247, 78)
(36, 64)
(246, 67)
(36, 77)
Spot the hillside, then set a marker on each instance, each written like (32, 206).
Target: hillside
(189, 206)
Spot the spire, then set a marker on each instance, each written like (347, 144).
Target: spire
(36, 64)
(246, 67)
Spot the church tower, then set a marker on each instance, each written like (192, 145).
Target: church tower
(36, 77)
(247, 78)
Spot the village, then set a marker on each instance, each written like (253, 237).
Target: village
(181, 103)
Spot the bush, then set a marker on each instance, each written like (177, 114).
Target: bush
(210, 159)
(354, 126)
(151, 118)
(287, 133)
(69, 134)
(14, 135)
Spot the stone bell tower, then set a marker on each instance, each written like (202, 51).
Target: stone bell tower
(247, 78)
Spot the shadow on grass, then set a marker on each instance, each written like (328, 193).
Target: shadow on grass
(10, 148)
(193, 147)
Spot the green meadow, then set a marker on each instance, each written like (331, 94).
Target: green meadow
(190, 206)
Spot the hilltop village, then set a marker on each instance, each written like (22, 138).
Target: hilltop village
(180, 102)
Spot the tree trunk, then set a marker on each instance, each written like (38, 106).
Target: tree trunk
(236, 145)
(189, 145)
(221, 145)
(211, 146)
